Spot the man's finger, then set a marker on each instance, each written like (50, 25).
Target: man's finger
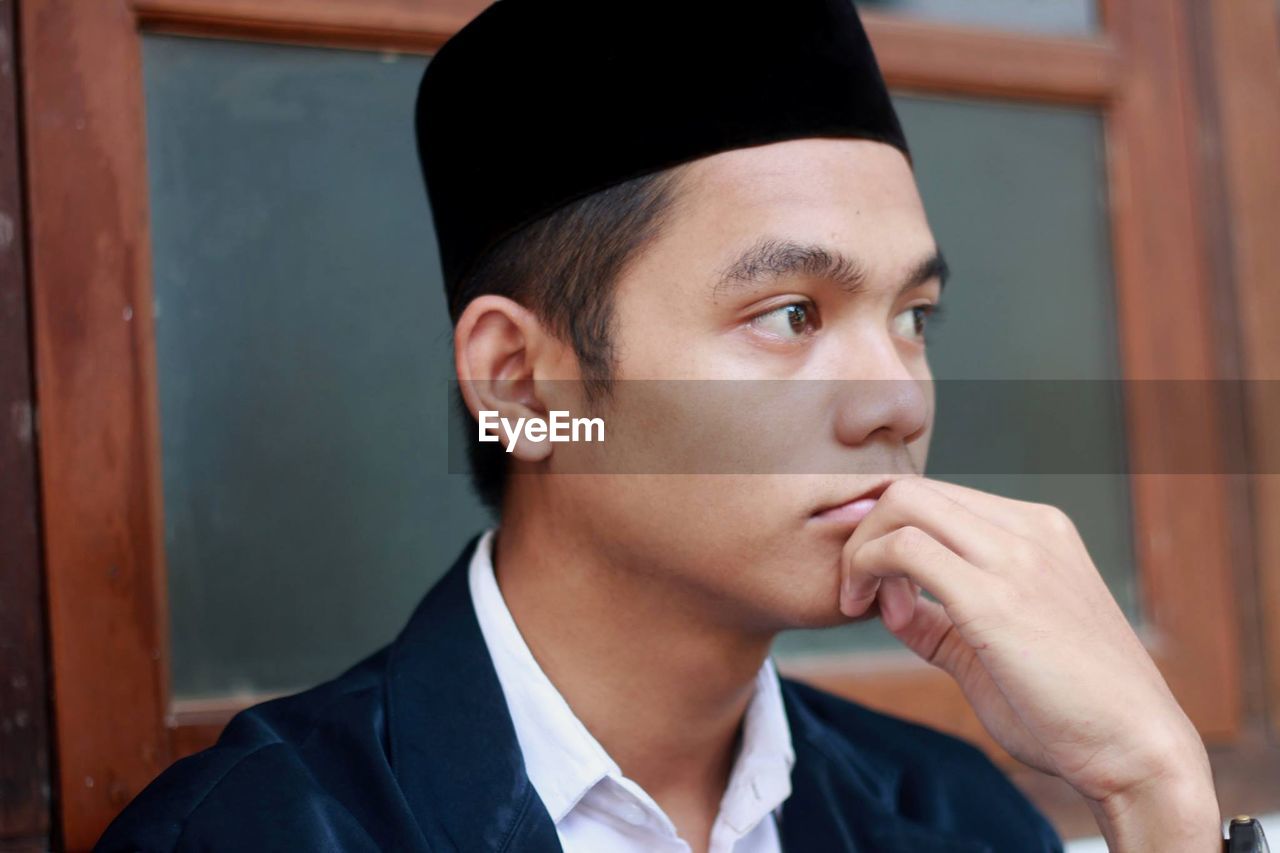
(897, 600)
(1012, 514)
(911, 553)
(914, 503)
(933, 637)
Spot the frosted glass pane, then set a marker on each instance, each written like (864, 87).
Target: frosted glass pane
(303, 342)
(303, 354)
(1049, 17)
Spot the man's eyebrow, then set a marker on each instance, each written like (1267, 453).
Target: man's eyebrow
(934, 266)
(771, 259)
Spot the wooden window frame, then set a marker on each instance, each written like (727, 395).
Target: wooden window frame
(116, 726)
(24, 735)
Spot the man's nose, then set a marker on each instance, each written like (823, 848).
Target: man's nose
(880, 393)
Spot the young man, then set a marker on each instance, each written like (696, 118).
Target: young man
(628, 198)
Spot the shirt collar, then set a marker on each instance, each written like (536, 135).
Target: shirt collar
(564, 760)
(761, 778)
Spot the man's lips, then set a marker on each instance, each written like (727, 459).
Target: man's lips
(853, 510)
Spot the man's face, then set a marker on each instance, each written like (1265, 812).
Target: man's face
(691, 308)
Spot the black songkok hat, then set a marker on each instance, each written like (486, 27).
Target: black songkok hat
(537, 103)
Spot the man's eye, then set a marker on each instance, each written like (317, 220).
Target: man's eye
(912, 322)
(789, 322)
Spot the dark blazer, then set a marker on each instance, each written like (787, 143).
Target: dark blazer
(413, 749)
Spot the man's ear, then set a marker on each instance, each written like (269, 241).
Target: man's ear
(500, 349)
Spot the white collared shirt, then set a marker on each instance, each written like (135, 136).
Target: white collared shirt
(596, 809)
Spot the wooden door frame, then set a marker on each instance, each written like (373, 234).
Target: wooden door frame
(116, 727)
(1244, 79)
(25, 762)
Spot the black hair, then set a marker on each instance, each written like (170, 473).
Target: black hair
(564, 268)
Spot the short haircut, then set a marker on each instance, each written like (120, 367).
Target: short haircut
(564, 268)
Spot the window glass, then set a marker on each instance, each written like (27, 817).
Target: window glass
(304, 353)
(1046, 17)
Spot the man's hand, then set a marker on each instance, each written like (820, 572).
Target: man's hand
(1026, 626)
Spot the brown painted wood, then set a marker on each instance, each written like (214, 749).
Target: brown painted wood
(912, 54)
(95, 369)
(1166, 332)
(955, 60)
(408, 25)
(379, 18)
(24, 728)
(1245, 57)
(1217, 216)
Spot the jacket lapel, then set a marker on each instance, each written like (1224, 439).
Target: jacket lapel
(839, 803)
(454, 750)
(451, 740)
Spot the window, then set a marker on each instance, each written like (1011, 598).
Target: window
(1087, 119)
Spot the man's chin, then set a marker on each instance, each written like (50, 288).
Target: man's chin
(822, 613)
